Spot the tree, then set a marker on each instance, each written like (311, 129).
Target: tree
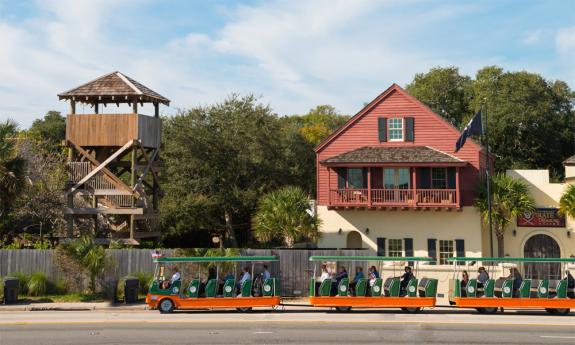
(445, 91)
(567, 201)
(509, 198)
(285, 215)
(219, 160)
(318, 123)
(49, 131)
(12, 168)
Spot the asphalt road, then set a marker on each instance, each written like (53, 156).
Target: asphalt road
(292, 326)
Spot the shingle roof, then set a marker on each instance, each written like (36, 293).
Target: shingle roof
(569, 161)
(114, 87)
(410, 154)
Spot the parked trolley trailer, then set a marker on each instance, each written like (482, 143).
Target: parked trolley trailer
(551, 289)
(410, 293)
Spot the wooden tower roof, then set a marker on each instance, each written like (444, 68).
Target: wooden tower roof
(114, 87)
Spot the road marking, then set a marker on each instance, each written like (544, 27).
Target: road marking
(555, 337)
(263, 332)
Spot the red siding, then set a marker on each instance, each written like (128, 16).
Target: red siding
(430, 130)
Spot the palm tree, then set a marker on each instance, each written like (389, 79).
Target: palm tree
(509, 198)
(285, 215)
(90, 256)
(567, 201)
(12, 166)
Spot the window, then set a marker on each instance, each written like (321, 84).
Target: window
(395, 129)
(438, 178)
(355, 178)
(395, 247)
(445, 251)
(396, 178)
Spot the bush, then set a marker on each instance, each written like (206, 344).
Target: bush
(37, 284)
(120, 289)
(145, 281)
(22, 282)
(57, 288)
(1, 289)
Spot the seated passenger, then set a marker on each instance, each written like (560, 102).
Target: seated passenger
(570, 280)
(175, 277)
(373, 276)
(211, 275)
(482, 277)
(342, 274)
(405, 278)
(245, 276)
(324, 275)
(358, 275)
(266, 273)
(464, 279)
(517, 280)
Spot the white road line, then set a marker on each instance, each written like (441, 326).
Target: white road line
(263, 332)
(555, 337)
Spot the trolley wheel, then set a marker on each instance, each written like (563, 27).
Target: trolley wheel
(551, 311)
(244, 309)
(562, 311)
(411, 310)
(343, 309)
(480, 310)
(166, 306)
(488, 310)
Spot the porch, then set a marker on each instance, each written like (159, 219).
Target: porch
(367, 197)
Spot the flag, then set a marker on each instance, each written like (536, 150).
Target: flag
(473, 127)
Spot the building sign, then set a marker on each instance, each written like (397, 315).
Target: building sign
(542, 217)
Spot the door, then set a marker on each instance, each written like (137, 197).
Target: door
(542, 246)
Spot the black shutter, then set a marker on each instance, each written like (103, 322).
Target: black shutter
(341, 174)
(451, 178)
(409, 249)
(364, 178)
(432, 250)
(424, 178)
(382, 128)
(409, 126)
(381, 246)
(460, 248)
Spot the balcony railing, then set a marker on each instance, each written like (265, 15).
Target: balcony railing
(394, 197)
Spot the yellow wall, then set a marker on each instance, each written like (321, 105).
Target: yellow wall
(419, 225)
(546, 194)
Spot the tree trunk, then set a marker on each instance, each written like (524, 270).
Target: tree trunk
(230, 229)
(500, 246)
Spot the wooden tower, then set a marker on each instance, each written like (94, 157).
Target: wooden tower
(114, 159)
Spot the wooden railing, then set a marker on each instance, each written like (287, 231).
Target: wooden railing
(393, 197)
(99, 183)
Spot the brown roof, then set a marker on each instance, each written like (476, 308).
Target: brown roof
(569, 161)
(114, 87)
(410, 154)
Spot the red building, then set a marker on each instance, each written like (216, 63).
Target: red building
(396, 153)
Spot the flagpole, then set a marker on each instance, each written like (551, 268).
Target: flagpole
(488, 176)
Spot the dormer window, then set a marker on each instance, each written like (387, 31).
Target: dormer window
(395, 129)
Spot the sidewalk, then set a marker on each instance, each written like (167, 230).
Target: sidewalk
(72, 306)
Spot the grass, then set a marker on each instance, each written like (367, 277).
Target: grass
(69, 297)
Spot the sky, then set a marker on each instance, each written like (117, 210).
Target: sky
(292, 54)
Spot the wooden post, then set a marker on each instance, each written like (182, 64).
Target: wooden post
(457, 197)
(133, 184)
(369, 186)
(135, 107)
(413, 185)
(96, 108)
(72, 107)
(156, 109)
(95, 217)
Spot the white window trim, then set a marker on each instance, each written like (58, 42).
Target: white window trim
(402, 130)
(437, 250)
(402, 246)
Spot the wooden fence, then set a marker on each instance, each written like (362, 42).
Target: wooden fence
(293, 268)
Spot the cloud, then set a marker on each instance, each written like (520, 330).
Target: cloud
(565, 41)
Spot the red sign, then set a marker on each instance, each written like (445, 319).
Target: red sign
(542, 217)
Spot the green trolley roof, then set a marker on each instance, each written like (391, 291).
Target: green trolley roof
(367, 258)
(217, 259)
(462, 259)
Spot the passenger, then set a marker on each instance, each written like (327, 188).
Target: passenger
(373, 276)
(245, 276)
(211, 275)
(175, 277)
(341, 275)
(405, 278)
(266, 273)
(482, 277)
(464, 279)
(324, 275)
(517, 280)
(229, 276)
(570, 280)
(358, 275)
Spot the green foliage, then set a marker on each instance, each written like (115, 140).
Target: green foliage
(50, 130)
(509, 198)
(42, 245)
(12, 167)
(22, 282)
(567, 201)
(445, 91)
(13, 245)
(145, 279)
(318, 123)
(285, 215)
(37, 284)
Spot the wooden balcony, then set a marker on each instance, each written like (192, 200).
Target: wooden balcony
(393, 198)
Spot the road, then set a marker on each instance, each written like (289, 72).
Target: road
(292, 326)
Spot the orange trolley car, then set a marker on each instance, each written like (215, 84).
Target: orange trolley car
(167, 295)
(378, 292)
(554, 294)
